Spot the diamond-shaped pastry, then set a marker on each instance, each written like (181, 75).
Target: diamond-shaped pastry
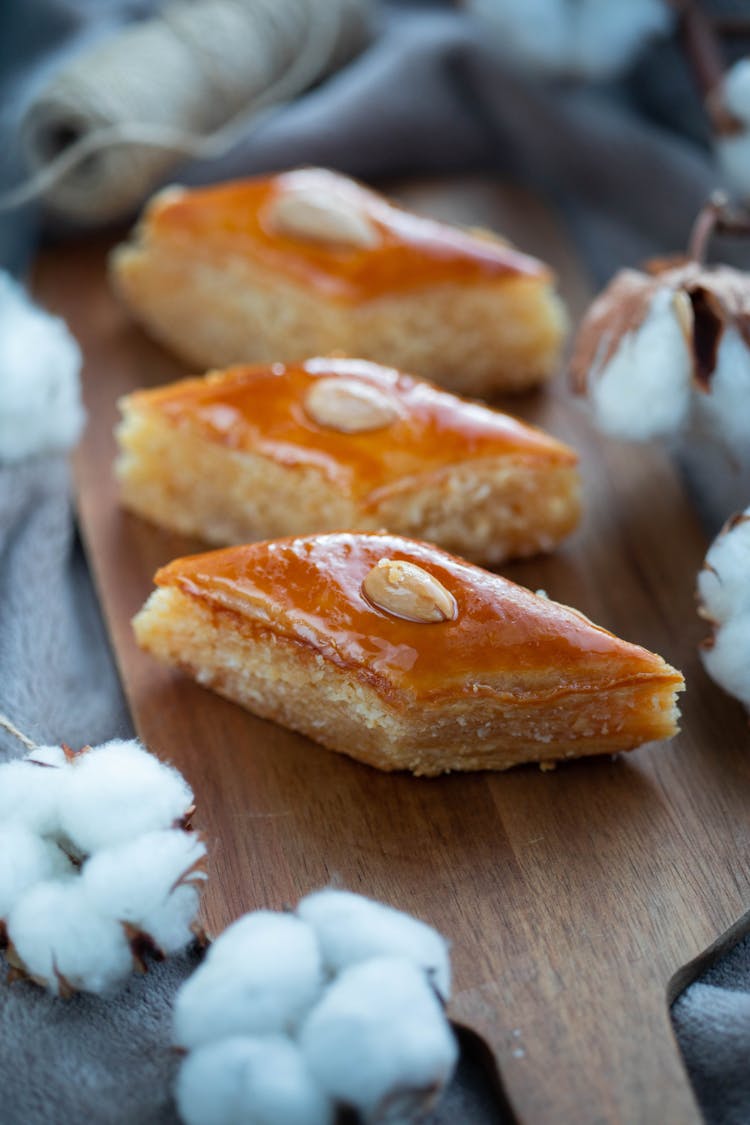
(284, 267)
(403, 656)
(258, 452)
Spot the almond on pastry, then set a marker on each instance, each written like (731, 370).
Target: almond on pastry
(463, 671)
(258, 452)
(288, 266)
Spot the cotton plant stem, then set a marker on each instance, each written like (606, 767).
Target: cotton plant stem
(717, 216)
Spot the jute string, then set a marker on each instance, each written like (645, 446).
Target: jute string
(192, 81)
(10, 726)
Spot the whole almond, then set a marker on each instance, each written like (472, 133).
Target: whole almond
(407, 591)
(318, 216)
(166, 196)
(342, 404)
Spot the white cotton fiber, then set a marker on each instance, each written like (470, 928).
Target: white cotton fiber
(725, 411)
(31, 795)
(272, 1037)
(724, 596)
(118, 791)
(351, 928)
(40, 398)
(65, 943)
(170, 925)
(26, 859)
(724, 583)
(379, 1035)
(607, 35)
(48, 756)
(113, 809)
(262, 975)
(137, 882)
(644, 391)
(245, 1081)
(535, 33)
(736, 90)
(733, 153)
(728, 660)
(733, 149)
(588, 39)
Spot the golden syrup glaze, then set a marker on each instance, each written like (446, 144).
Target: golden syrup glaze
(504, 640)
(261, 409)
(412, 252)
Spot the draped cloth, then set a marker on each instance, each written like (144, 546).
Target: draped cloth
(626, 167)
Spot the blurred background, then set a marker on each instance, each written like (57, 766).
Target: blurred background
(623, 114)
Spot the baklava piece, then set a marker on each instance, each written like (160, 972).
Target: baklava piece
(259, 452)
(402, 656)
(307, 262)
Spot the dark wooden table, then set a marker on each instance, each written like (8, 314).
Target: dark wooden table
(574, 899)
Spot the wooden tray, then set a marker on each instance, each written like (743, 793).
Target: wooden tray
(572, 898)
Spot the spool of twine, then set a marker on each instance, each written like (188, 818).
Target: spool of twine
(191, 82)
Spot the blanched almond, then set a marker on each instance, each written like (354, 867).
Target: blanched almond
(318, 216)
(407, 591)
(348, 406)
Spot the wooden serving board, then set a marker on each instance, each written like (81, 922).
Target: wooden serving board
(574, 899)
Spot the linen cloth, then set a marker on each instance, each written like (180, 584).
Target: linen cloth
(628, 167)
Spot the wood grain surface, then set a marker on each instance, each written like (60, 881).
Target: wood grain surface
(572, 898)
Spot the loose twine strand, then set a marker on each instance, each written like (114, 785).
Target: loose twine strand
(10, 726)
(291, 42)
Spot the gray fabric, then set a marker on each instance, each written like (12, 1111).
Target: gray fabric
(429, 95)
(57, 679)
(712, 1022)
(90, 1059)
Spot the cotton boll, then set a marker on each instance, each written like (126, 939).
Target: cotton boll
(379, 1041)
(69, 929)
(64, 943)
(733, 146)
(736, 90)
(351, 928)
(607, 35)
(244, 1081)
(644, 391)
(725, 410)
(662, 352)
(591, 39)
(261, 976)
(31, 794)
(535, 33)
(117, 791)
(724, 583)
(374, 1038)
(724, 595)
(727, 660)
(26, 859)
(138, 882)
(733, 153)
(40, 399)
